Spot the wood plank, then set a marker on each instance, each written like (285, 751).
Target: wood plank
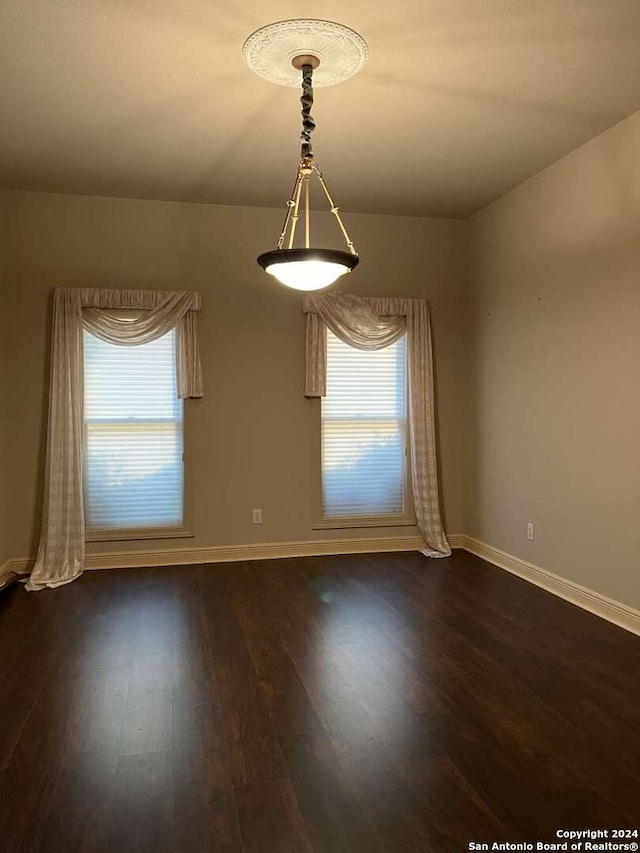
(283, 692)
(205, 811)
(142, 818)
(332, 815)
(28, 782)
(82, 804)
(253, 746)
(270, 821)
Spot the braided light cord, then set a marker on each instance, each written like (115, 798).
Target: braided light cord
(308, 124)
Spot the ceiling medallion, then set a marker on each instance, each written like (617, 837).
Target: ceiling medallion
(269, 51)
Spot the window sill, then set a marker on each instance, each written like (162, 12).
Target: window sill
(371, 521)
(138, 533)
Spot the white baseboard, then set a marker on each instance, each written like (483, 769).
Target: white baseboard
(6, 570)
(232, 553)
(613, 611)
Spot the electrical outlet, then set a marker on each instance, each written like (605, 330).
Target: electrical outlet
(530, 531)
(256, 516)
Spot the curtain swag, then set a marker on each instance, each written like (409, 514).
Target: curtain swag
(62, 540)
(371, 324)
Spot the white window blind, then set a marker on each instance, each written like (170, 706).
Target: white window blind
(363, 431)
(133, 436)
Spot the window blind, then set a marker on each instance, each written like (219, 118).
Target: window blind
(363, 431)
(133, 435)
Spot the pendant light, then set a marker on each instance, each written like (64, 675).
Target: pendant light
(306, 267)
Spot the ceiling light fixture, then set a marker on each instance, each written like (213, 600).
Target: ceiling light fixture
(277, 52)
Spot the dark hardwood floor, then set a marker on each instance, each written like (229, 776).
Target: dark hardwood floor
(364, 703)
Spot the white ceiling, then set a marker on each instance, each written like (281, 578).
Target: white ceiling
(460, 99)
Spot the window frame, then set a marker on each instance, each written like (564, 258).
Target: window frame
(407, 518)
(117, 534)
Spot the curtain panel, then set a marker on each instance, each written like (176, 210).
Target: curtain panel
(62, 540)
(374, 323)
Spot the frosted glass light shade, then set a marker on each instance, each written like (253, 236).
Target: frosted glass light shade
(307, 275)
(307, 269)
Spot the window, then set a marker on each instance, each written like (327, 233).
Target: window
(364, 460)
(134, 480)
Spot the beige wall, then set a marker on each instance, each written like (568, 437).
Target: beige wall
(555, 435)
(5, 552)
(254, 436)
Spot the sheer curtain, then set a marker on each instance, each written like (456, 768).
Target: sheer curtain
(374, 323)
(62, 540)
